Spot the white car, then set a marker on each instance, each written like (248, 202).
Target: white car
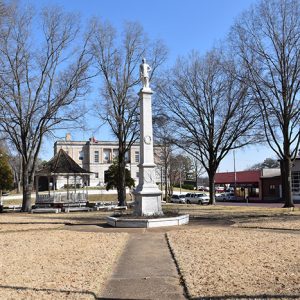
(227, 196)
(197, 198)
(175, 198)
(220, 196)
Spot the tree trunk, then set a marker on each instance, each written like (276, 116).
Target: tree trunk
(166, 182)
(27, 189)
(211, 182)
(19, 186)
(286, 178)
(121, 188)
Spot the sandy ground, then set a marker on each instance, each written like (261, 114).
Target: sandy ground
(286, 224)
(220, 211)
(56, 264)
(218, 262)
(25, 227)
(61, 218)
(40, 261)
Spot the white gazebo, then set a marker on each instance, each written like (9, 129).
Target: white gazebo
(62, 165)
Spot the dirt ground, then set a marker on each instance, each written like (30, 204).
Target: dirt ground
(266, 223)
(258, 256)
(233, 262)
(40, 261)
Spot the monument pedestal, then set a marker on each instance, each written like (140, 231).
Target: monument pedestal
(147, 194)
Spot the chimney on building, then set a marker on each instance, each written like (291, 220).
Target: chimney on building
(68, 137)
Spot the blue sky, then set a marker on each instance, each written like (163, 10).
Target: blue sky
(183, 26)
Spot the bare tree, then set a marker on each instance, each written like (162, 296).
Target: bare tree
(198, 169)
(16, 165)
(180, 168)
(209, 108)
(267, 40)
(162, 138)
(268, 163)
(43, 73)
(118, 60)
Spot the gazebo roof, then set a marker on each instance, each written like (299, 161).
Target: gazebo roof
(61, 164)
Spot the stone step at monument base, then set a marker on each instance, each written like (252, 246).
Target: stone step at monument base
(109, 207)
(147, 222)
(46, 210)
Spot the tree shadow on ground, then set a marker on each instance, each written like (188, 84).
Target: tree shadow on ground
(68, 293)
(262, 296)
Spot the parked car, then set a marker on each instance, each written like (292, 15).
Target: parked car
(188, 197)
(225, 196)
(202, 198)
(220, 196)
(231, 197)
(220, 189)
(197, 198)
(178, 198)
(203, 188)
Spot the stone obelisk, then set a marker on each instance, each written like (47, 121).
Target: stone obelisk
(147, 194)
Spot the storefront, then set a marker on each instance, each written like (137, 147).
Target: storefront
(264, 185)
(245, 183)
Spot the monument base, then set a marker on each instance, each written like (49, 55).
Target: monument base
(148, 223)
(147, 204)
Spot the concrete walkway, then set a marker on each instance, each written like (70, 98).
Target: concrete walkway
(146, 270)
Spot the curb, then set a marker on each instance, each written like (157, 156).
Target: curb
(182, 280)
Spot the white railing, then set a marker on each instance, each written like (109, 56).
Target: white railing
(62, 198)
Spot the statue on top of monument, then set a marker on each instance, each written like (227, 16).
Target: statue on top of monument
(144, 73)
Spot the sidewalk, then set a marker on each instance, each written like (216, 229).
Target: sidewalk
(146, 270)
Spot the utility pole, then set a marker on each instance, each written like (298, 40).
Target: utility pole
(234, 170)
(161, 182)
(180, 179)
(196, 168)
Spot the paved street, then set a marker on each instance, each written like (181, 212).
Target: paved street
(270, 205)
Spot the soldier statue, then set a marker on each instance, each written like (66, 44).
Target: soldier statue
(144, 73)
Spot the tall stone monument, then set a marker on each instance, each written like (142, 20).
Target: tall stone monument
(147, 193)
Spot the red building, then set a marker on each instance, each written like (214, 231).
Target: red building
(246, 183)
(262, 185)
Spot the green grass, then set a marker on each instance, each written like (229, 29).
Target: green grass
(109, 198)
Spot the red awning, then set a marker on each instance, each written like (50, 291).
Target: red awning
(241, 177)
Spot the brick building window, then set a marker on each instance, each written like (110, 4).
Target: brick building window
(127, 160)
(96, 175)
(81, 155)
(137, 156)
(106, 155)
(115, 153)
(96, 156)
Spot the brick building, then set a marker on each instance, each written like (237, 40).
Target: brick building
(96, 157)
(262, 184)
